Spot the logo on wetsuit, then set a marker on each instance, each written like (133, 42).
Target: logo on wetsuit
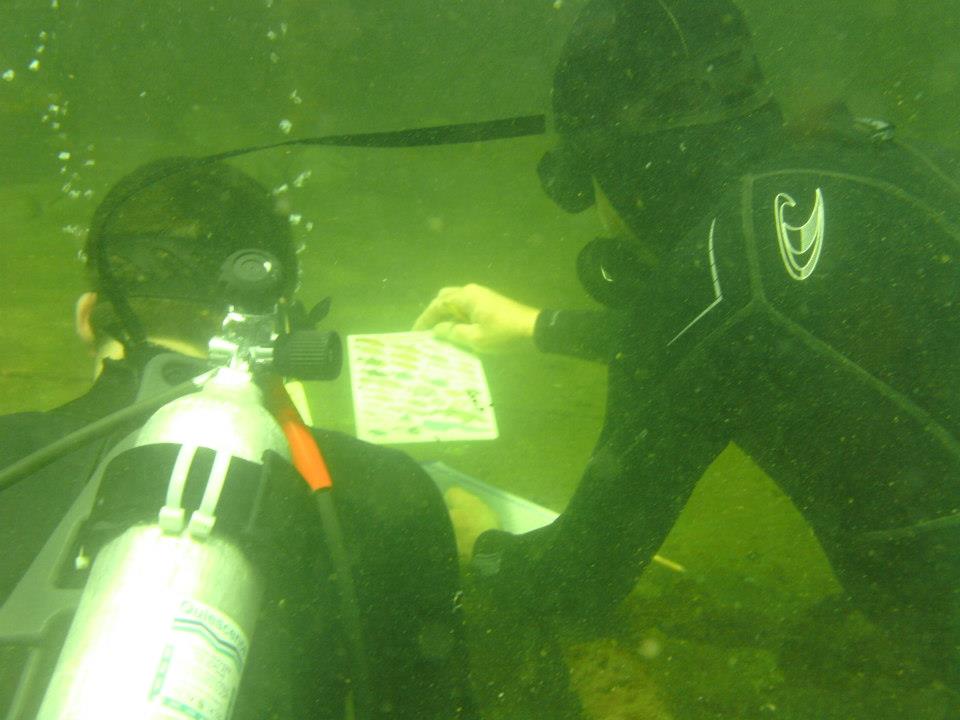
(800, 259)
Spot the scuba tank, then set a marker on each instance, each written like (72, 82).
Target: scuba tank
(183, 542)
(165, 622)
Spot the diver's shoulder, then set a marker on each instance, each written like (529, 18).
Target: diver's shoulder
(840, 143)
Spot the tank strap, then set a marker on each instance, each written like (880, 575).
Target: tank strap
(172, 515)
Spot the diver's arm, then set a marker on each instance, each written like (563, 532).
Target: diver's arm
(482, 320)
(585, 334)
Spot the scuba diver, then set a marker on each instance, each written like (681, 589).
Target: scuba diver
(793, 290)
(157, 257)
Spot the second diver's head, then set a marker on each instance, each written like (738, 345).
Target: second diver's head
(157, 243)
(655, 102)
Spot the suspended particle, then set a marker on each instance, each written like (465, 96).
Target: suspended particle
(44, 118)
(9, 74)
(77, 231)
(295, 218)
(75, 194)
(42, 35)
(39, 49)
(55, 4)
(286, 126)
(280, 189)
(295, 97)
(309, 226)
(269, 3)
(283, 28)
(271, 35)
(34, 65)
(54, 108)
(55, 126)
(88, 193)
(302, 178)
(274, 58)
(63, 155)
(89, 163)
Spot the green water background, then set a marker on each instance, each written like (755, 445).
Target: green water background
(140, 80)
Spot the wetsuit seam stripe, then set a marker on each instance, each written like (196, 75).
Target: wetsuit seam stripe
(716, 335)
(825, 350)
(931, 165)
(717, 290)
(750, 241)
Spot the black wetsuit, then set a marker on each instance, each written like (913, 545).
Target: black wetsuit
(834, 363)
(397, 534)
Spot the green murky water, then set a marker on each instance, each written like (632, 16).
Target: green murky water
(92, 89)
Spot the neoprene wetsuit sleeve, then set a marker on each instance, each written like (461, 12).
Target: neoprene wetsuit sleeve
(585, 334)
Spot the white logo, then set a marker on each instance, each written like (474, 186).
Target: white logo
(801, 260)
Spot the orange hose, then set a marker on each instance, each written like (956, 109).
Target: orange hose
(306, 455)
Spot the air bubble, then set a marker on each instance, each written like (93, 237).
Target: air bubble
(34, 65)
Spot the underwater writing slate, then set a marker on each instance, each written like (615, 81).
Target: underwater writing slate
(410, 387)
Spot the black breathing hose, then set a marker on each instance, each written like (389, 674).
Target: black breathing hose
(349, 607)
(21, 469)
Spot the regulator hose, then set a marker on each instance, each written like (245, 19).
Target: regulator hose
(309, 462)
(12, 474)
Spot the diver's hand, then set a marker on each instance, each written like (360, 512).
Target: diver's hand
(479, 319)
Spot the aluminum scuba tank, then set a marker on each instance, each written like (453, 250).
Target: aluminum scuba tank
(168, 612)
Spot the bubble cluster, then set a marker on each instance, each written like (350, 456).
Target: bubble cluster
(285, 192)
(74, 162)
